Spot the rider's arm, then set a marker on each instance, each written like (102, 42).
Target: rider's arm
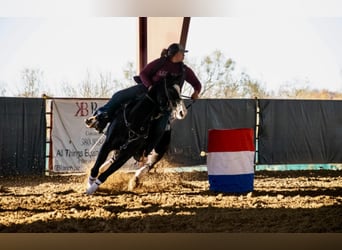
(195, 83)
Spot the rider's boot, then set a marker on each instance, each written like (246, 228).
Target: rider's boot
(98, 120)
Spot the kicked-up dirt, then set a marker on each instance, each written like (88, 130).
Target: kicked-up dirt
(283, 201)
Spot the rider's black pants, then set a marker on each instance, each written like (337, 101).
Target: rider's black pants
(121, 97)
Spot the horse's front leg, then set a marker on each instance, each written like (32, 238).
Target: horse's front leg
(152, 158)
(109, 162)
(121, 159)
(101, 158)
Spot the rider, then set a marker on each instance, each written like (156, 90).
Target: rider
(170, 62)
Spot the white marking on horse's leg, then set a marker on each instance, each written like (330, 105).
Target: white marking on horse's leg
(151, 159)
(91, 180)
(134, 181)
(115, 154)
(180, 111)
(106, 165)
(141, 171)
(90, 190)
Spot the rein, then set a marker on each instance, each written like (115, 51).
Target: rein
(149, 97)
(167, 93)
(192, 101)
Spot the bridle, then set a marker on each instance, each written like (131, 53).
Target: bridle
(168, 105)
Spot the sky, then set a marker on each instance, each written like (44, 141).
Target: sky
(65, 49)
(300, 49)
(276, 51)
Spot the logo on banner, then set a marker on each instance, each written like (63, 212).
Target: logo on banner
(83, 108)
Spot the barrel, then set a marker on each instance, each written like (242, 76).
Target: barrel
(230, 160)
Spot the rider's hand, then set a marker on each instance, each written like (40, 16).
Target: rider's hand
(195, 95)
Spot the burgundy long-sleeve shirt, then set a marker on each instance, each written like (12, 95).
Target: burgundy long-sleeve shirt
(168, 67)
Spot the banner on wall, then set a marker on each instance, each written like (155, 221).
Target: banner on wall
(72, 141)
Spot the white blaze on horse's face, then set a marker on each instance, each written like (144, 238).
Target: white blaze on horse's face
(180, 111)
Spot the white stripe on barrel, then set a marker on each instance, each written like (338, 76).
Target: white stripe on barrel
(230, 160)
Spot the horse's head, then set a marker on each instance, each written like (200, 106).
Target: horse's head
(168, 96)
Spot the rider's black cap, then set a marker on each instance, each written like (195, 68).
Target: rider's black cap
(174, 48)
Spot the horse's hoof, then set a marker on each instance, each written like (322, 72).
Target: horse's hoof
(133, 183)
(90, 182)
(91, 190)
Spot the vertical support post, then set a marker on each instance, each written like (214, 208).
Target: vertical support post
(257, 128)
(185, 30)
(49, 116)
(142, 42)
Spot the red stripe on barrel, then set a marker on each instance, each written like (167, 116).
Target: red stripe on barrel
(231, 140)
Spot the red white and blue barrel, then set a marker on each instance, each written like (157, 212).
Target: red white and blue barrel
(230, 160)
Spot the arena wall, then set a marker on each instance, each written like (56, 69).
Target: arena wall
(22, 136)
(286, 132)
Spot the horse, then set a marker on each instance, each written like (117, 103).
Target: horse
(129, 132)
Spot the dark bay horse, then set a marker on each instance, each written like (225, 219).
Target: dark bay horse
(129, 133)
